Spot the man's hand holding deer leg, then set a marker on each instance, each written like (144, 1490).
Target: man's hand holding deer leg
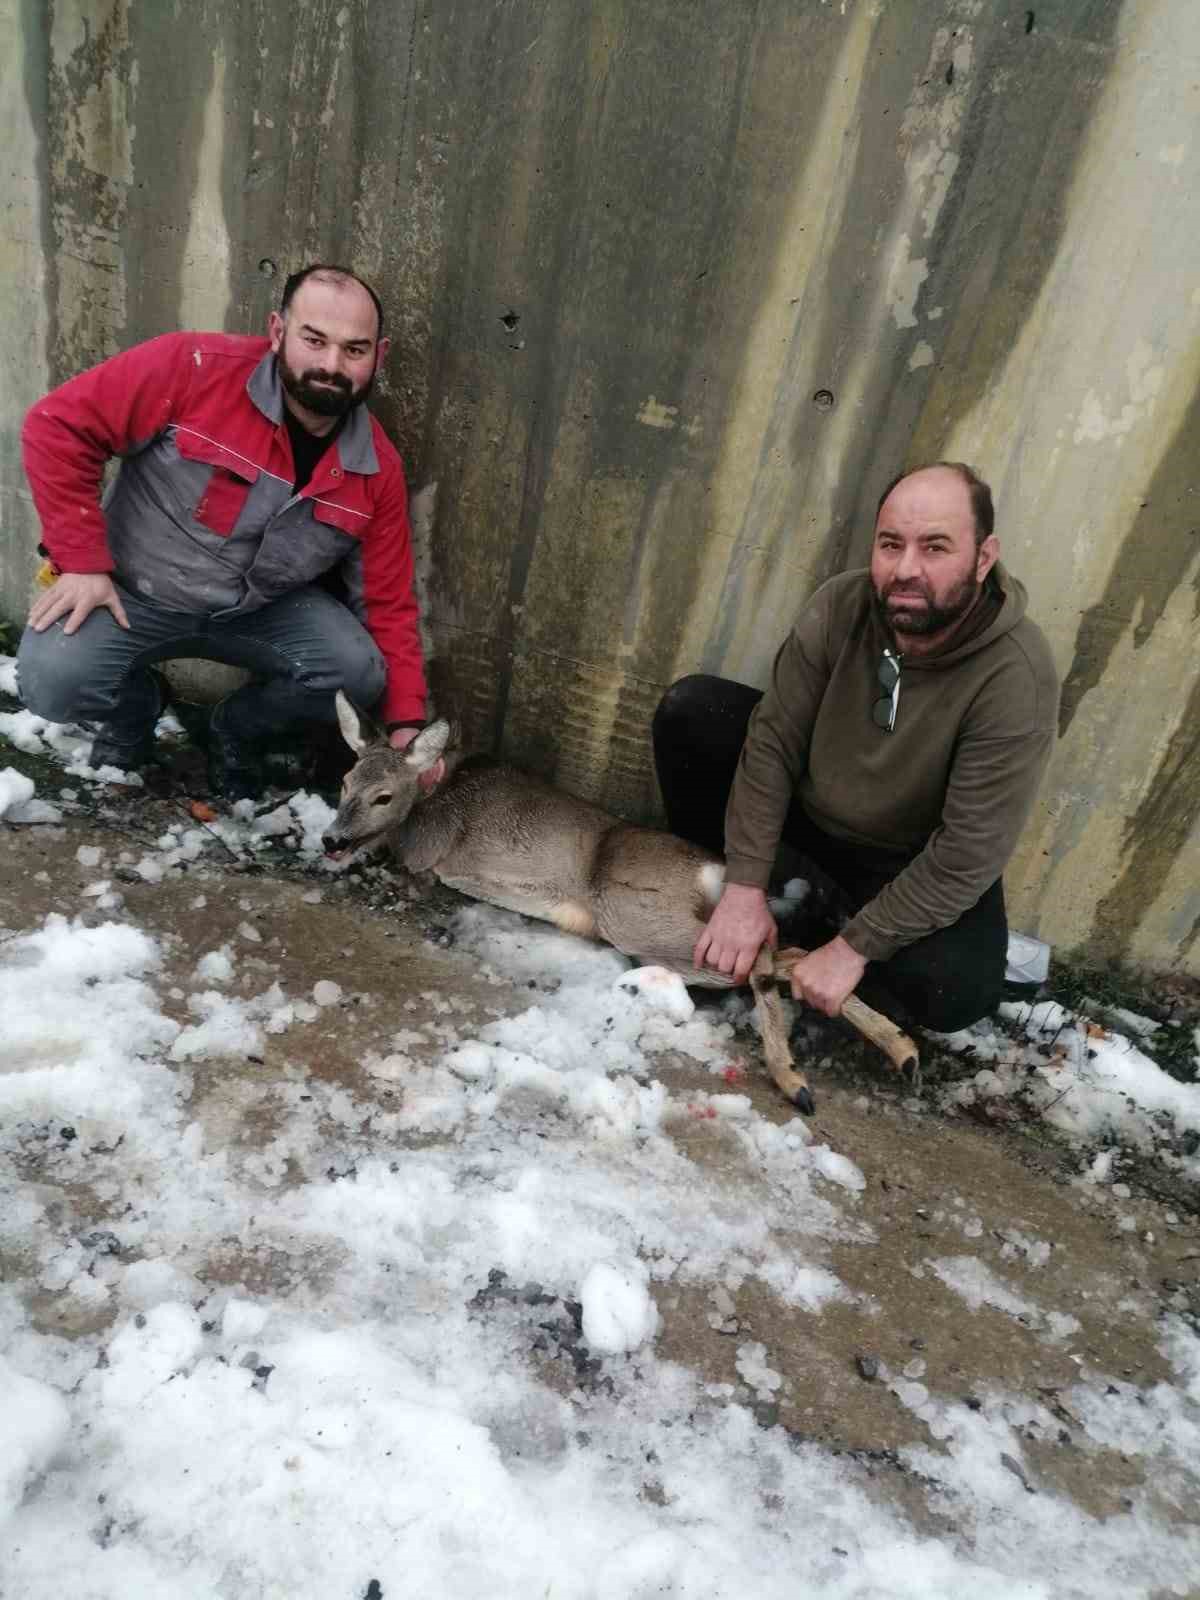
(737, 930)
(826, 978)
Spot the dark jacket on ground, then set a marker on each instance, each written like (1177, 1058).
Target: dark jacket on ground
(952, 785)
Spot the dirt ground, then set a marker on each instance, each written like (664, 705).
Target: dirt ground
(937, 1185)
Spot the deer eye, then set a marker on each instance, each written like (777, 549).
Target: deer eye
(382, 800)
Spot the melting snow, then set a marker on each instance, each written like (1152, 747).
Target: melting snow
(407, 1341)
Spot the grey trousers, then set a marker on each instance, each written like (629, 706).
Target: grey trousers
(301, 649)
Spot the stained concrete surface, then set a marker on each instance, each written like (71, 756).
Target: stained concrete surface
(674, 293)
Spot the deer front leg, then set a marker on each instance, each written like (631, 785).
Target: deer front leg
(873, 1025)
(773, 1026)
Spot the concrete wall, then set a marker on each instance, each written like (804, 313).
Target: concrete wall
(625, 243)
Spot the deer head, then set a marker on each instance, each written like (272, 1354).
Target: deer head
(384, 784)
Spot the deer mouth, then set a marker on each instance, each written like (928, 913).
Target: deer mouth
(349, 852)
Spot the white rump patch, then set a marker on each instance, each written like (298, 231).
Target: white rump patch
(573, 918)
(711, 879)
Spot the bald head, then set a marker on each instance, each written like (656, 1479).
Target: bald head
(978, 492)
(334, 277)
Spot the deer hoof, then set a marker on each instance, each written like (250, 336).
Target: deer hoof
(803, 1101)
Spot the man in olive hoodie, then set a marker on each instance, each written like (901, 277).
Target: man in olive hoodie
(899, 746)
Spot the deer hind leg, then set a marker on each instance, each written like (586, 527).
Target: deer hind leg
(776, 1050)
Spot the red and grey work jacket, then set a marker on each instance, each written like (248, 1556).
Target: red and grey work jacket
(201, 516)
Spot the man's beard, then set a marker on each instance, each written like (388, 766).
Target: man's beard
(934, 618)
(332, 399)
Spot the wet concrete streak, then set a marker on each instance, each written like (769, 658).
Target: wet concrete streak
(1155, 836)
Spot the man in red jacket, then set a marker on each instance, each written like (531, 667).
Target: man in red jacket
(252, 478)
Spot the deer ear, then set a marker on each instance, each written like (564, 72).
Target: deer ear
(428, 746)
(357, 730)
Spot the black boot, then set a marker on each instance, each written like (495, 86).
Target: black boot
(236, 770)
(128, 743)
(108, 751)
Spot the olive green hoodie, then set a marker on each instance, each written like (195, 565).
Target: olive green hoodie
(952, 784)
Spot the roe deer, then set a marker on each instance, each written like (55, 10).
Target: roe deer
(501, 835)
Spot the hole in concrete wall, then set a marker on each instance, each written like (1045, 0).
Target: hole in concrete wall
(510, 320)
(823, 399)
(950, 73)
(1030, 19)
(267, 267)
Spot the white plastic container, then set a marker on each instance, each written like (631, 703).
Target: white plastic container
(1028, 959)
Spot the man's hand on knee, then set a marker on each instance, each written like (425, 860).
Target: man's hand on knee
(826, 978)
(736, 932)
(75, 595)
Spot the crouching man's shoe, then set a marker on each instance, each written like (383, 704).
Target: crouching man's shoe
(235, 770)
(127, 755)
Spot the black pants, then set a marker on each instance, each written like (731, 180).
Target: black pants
(945, 981)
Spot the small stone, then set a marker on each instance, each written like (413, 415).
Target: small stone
(127, 875)
(102, 1242)
(915, 1369)
(722, 1324)
(1018, 1471)
(868, 1367)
